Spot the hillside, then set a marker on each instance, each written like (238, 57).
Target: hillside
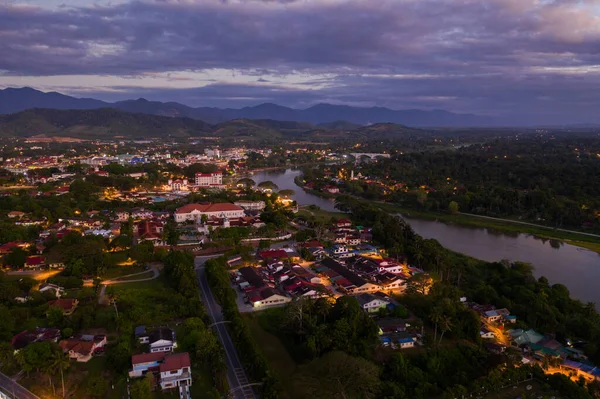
(110, 123)
(15, 100)
(99, 123)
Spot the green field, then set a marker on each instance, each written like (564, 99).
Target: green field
(274, 351)
(140, 276)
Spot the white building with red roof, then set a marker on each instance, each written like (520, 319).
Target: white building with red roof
(214, 179)
(176, 371)
(194, 212)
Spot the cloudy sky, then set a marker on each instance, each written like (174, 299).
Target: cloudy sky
(515, 58)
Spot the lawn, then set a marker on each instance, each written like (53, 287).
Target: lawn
(140, 276)
(274, 351)
(140, 288)
(118, 271)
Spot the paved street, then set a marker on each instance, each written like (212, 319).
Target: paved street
(12, 389)
(236, 376)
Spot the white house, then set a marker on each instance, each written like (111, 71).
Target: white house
(370, 303)
(194, 212)
(162, 340)
(178, 184)
(176, 372)
(266, 297)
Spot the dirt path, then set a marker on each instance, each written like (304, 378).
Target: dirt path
(102, 297)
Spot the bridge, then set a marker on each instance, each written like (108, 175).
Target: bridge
(10, 389)
(359, 155)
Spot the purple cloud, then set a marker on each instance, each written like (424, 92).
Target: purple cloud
(497, 56)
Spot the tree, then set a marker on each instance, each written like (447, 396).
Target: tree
(246, 182)
(142, 388)
(453, 207)
(16, 258)
(286, 193)
(418, 284)
(268, 185)
(96, 386)
(55, 317)
(445, 325)
(60, 362)
(338, 375)
(436, 316)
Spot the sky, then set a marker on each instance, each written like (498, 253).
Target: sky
(535, 59)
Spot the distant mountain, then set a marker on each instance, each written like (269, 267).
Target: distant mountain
(109, 123)
(15, 100)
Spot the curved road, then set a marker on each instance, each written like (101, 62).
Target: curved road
(236, 375)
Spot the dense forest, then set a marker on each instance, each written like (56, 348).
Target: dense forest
(544, 179)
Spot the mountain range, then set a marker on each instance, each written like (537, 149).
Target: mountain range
(13, 100)
(109, 123)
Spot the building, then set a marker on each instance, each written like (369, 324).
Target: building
(82, 349)
(35, 262)
(209, 179)
(194, 212)
(67, 306)
(370, 303)
(53, 288)
(266, 297)
(178, 184)
(162, 340)
(176, 371)
(251, 205)
(26, 337)
(171, 371)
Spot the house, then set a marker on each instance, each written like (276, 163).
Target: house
(262, 298)
(522, 337)
(53, 288)
(67, 306)
(38, 334)
(35, 262)
(273, 254)
(162, 340)
(391, 324)
(370, 303)
(491, 316)
(340, 250)
(331, 189)
(403, 339)
(82, 349)
(176, 372)
(209, 179)
(16, 214)
(146, 362)
(343, 223)
(194, 212)
(121, 216)
(486, 333)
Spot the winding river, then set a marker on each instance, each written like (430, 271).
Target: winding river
(577, 268)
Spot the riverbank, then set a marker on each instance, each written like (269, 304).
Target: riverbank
(581, 240)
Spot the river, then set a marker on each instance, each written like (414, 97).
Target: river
(577, 268)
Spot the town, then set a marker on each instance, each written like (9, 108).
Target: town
(114, 265)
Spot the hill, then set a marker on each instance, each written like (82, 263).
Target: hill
(110, 123)
(16, 100)
(98, 123)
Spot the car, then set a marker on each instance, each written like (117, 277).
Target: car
(99, 351)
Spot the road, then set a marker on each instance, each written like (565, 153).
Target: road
(13, 390)
(236, 376)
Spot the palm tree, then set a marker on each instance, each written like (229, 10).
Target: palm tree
(436, 316)
(445, 325)
(61, 362)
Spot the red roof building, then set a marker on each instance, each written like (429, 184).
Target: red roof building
(175, 361)
(35, 262)
(273, 254)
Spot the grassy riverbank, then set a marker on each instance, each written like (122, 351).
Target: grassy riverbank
(580, 240)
